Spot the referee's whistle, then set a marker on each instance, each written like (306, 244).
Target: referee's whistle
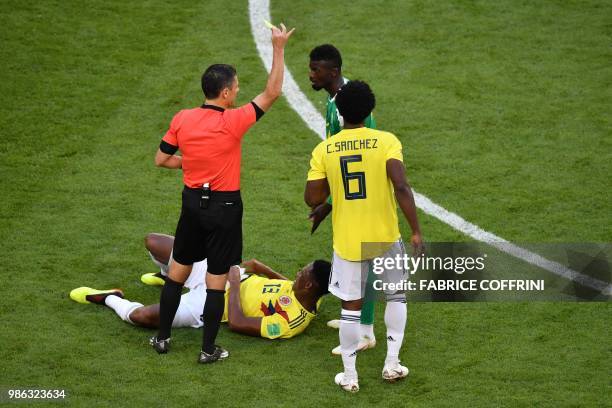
(205, 198)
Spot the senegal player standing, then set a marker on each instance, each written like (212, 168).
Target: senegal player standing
(326, 73)
(363, 170)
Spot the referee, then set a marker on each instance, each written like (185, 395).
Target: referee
(210, 225)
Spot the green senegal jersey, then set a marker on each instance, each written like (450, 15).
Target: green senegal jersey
(334, 121)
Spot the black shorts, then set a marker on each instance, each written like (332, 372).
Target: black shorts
(214, 233)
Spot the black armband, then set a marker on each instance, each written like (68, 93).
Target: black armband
(167, 148)
(258, 111)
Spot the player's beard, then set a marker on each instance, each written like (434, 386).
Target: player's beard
(316, 87)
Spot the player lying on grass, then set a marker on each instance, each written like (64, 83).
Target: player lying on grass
(270, 306)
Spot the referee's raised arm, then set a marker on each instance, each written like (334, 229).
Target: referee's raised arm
(274, 86)
(165, 154)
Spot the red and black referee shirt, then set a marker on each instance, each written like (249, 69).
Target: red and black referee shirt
(209, 138)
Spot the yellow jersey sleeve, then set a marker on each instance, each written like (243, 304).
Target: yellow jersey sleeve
(274, 327)
(394, 148)
(290, 320)
(317, 164)
(277, 327)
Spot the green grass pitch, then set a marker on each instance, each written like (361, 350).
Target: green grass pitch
(504, 112)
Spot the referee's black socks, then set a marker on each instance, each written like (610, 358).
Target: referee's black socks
(213, 312)
(168, 305)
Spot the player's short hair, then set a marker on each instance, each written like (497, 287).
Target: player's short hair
(216, 78)
(355, 101)
(327, 52)
(321, 270)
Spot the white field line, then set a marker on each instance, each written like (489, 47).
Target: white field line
(259, 10)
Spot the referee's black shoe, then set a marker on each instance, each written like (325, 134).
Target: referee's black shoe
(161, 346)
(217, 355)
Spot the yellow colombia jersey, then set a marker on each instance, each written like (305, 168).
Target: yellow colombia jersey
(274, 301)
(354, 161)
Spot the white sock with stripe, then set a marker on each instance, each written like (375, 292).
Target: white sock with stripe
(122, 307)
(350, 332)
(395, 320)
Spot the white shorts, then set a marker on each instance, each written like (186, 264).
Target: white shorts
(189, 312)
(191, 306)
(197, 276)
(348, 279)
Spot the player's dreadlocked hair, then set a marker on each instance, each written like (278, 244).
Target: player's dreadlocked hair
(327, 52)
(321, 270)
(216, 78)
(355, 101)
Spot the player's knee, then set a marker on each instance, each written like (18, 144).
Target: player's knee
(149, 241)
(142, 317)
(135, 316)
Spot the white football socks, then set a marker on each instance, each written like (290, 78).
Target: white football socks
(122, 307)
(395, 320)
(350, 332)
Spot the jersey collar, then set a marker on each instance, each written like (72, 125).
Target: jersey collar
(333, 98)
(303, 308)
(213, 107)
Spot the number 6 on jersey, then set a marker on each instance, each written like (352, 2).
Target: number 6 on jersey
(356, 175)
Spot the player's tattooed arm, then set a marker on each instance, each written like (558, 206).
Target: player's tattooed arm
(236, 319)
(259, 268)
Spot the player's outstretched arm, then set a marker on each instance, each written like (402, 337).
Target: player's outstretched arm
(236, 319)
(403, 194)
(274, 86)
(259, 268)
